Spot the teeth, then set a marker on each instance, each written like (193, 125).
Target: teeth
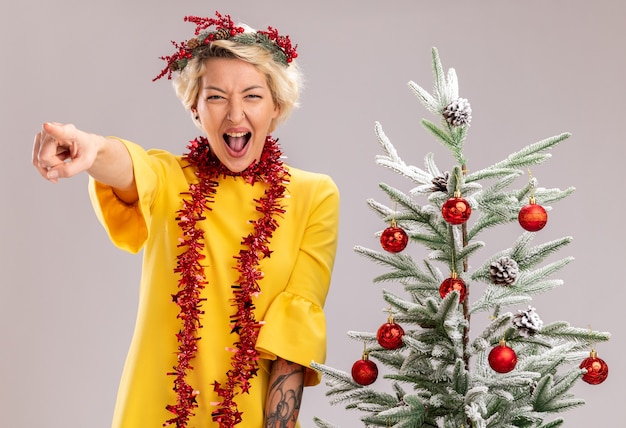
(236, 134)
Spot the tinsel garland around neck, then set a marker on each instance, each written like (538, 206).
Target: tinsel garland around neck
(254, 247)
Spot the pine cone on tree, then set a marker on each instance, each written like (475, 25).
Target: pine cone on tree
(504, 271)
(440, 183)
(458, 112)
(527, 322)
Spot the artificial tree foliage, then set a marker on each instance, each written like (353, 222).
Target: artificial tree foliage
(441, 376)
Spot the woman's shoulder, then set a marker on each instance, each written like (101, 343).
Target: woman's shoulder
(138, 151)
(155, 162)
(165, 155)
(302, 176)
(312, 182)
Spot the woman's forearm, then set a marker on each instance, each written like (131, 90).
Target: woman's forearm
(63, 151)
(113, 166)
(284, 395)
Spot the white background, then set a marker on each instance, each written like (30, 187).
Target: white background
(530, 70)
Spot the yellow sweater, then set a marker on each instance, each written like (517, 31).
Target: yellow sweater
(294, 287)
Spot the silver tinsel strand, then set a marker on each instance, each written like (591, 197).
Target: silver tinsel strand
(458, 112)
(503, 271)
(527, 322)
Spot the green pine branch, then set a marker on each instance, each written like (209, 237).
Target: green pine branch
(532, 154)
(563, 330)
(393, 161)
(525, 257)
(551, 395)
(321, 423)
(552, 424)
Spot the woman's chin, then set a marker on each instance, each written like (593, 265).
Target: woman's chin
(236, 161)
(238, 164)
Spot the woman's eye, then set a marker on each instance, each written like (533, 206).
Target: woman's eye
(213, 97)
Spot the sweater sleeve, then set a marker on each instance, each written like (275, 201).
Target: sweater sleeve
(127, 224)
(295, 324)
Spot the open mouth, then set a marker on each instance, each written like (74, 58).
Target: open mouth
(237, 141)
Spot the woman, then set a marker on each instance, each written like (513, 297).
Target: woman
(238, 247)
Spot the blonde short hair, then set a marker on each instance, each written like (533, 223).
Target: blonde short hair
(285, 82)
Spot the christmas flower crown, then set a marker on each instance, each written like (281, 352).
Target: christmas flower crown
(225, 29)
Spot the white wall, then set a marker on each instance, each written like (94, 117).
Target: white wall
(530, 69)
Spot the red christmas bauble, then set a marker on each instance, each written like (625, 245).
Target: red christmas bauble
(532, 217)
(502, 358)
(456, 210)
(389, 335)
(597, 369)
(364, 371)
(394, 239)
(453, 283)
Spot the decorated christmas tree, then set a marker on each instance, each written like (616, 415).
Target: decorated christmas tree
(517, 371)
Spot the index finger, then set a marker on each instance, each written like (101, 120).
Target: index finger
(59, 131)
(55, 141)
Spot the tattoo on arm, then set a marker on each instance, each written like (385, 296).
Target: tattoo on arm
(284, 395)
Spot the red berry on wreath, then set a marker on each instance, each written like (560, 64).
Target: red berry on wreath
(597, 369)
(456, 210)
(394, 239)
(451, 284)
(532, 217)
(502, 359)
(364, 371)
(390, 334)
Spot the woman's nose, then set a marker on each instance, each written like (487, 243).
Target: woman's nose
(236, 114)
